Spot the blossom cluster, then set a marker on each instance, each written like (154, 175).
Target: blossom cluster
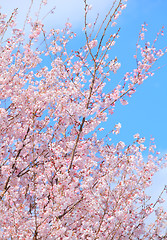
(58, 179)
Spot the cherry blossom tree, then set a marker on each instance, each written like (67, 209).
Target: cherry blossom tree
(59, 179)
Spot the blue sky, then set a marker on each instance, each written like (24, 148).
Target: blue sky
(146, 112)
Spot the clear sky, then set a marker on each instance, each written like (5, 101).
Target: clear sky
(146, 112)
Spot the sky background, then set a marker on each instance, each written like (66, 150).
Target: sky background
(146, 112)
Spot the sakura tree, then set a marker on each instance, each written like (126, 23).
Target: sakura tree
(59, 179)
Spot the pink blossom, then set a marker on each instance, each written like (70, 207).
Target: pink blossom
(93, 44)
(136, 135)
(123, 101)
(113, 24)
(89, 7)
(114, 66)
(44, 2)
(117, 128)
(123, 6)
